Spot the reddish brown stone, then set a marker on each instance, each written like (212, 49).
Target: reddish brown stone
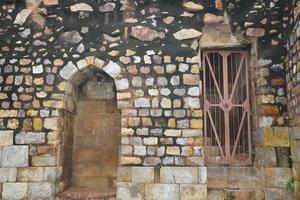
(132, 69)
(269, 110)
(277, 82)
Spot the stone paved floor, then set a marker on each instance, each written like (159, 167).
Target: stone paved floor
(79, 194)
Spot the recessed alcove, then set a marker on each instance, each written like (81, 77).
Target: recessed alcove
(91, 134)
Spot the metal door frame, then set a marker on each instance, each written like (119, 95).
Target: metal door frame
(226, 104)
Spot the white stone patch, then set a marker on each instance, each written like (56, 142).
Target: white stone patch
(22, 16)
(190, 102)
(81, 64)
(194, 91)
(68, 71)
(112, 69)
(142, 103)
(184, 34)
(81, 7)
(14, 156)
(37, 69)
(14, 191)
(6, 138)
(122, 84)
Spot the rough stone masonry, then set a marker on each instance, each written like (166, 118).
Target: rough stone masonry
(151, 49)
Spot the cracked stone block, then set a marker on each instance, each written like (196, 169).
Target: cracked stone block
(15, 156)
(132, 191)
(14, 191)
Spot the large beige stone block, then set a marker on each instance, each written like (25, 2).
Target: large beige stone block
(124, 174)
(277, 177)
(295, 150)
(43, 160)
(132, 191)
(14, 191)
(193, 192)
(265, 157)
(41, 191)
(162, 192)
(240, 194)
(143, 174)
(6, 138)
(278, 193)
(179, 175)
(14, 156)
(30, 174)
(8, 174)
(272, 137)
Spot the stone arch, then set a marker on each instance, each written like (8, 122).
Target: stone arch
(75, 75)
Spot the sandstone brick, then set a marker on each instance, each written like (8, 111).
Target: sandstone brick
(191, 79)
(14, 191)
(130, 160)
(30, 138)
(30, 174)
(8, 175)
(42, 191)
(177, 175)
(162, 192)
(277, 177)
(14, 156)
(193, 192)
(272, 137)
(6, 138)
(142, 174)
(173, 150)
(132, 191)
(8, 113)
(265, 157)
(43, 160)
(124, 174)
(152, 161)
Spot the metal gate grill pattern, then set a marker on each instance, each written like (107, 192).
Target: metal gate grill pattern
(226, 108)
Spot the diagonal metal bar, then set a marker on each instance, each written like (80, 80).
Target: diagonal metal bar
(214, 77)
(215, 132)
(237, 77)
(239, 133)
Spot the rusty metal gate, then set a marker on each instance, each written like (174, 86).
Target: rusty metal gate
(226, 108)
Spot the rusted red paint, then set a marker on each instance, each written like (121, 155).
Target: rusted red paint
(226, 107)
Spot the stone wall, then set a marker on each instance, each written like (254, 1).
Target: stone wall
(151, 51)
(292, 64)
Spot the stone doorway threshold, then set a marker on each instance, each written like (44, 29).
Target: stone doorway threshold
(85, 194)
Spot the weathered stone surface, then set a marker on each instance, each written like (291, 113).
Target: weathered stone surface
(185, 34)
(14, 156)
(112, 69)
(72, 37)
(142, 174)
(179, 175)
(108, 7)
(30, 138)
(43, 160)
(265, 157)
(22, 16)
(30, 174)
(162, 192)
(134, 191)
(210, 18)
(272, 137)
(255, 32)
(8, 174)
(81, 7)
(6, 138)
(193, 192)
(145, 33)
(277, 177)
(68, 71)
(42, 191)
(191, 6)
(50, 2)
(14, 191)
(124, 174)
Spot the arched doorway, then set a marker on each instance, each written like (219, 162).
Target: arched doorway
(91, 136)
